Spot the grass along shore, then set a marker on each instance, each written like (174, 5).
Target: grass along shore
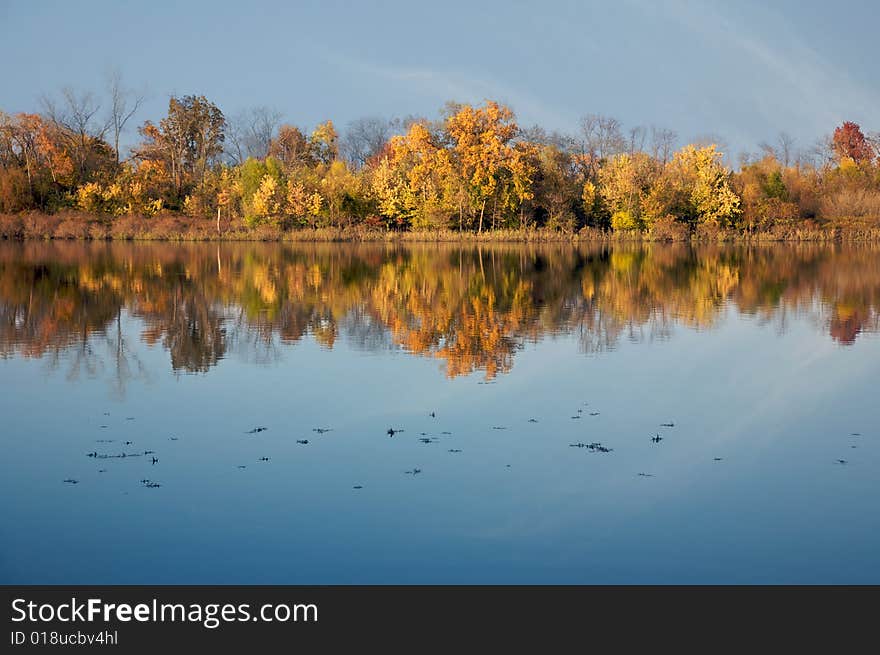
(73, 225)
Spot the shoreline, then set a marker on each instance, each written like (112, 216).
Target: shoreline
(174, 228)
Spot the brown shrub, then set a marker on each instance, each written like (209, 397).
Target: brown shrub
(71, 228)
(666, 228)
(266, 233)
(11, 227)
(164, 227)
(709, 232)
(859, 205)
(40, 226)
(99, 230)
(15, 194)
(130, 226)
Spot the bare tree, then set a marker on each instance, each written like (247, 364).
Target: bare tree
(602, 135)
(744, 158)
(782, 150)
(76, 116)
(785, 148)
(123, 105)
(537, 134)
(18, 146)
(637, 138)
(874, 141)
(713, 139)
(821, 154)
(662, 143)
(600, 138)
(767, 149)
(251, 132)
(365, 138)
(234, 150)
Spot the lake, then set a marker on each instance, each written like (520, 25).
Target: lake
(439, 413)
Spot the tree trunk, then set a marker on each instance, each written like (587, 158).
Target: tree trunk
(27, 160)
(482, 210)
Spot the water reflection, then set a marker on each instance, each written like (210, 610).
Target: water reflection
(714, 456)
(471, 307)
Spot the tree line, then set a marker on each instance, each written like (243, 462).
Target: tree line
(472, 169)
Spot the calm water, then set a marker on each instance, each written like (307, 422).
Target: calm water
(766, 360)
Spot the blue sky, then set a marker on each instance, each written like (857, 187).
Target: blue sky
(744, 71)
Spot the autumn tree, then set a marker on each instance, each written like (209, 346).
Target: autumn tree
(849, 142)
(187, 141)
(764, 194)
(556, 188)
(518, 186)
(261, 184)
(625, 182)
(344, 194)
(17, 162)
(481, 141)
(699, 175)
(413, 181)
(16, 155)
(39, 151)
(77, 123)
(390, 182)
(324, 143)
(291, 147)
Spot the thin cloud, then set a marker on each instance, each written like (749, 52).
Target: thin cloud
(810, 89)
(443, 85)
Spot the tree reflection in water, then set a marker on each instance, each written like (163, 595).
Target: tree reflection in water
(470, 306)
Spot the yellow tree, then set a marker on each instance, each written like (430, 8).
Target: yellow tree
(268, 200)
(412, 179)
(431, 167)
(522, 168)
(227, 194)
(390, 186)
(343, 193)
(324, 143)
(625, 181)
(700, 174)
(481, 142)
(302, 203)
